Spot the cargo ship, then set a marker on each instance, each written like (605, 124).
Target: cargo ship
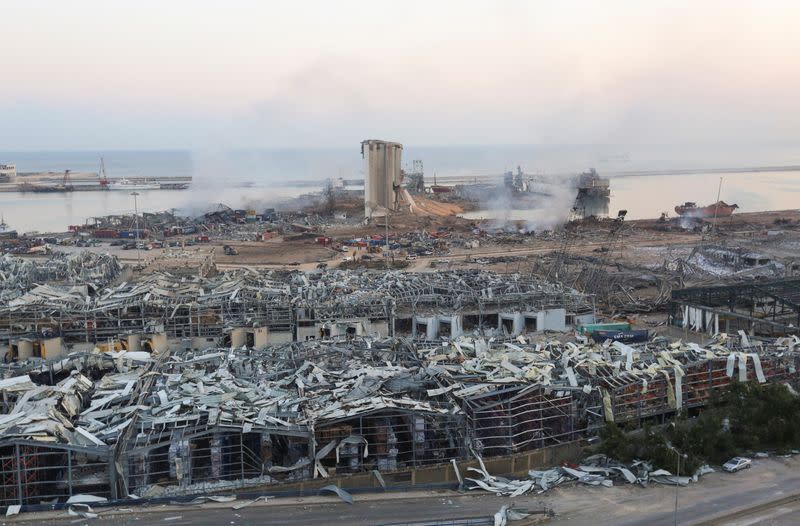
(127, 184)
(438, 188)
(718, 209)
(5, 231)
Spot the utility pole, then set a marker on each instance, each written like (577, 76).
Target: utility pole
(136, 218)
(678, 455)
(677, 474)
(716, 205)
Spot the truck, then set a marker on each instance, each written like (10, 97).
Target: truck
(230, 251)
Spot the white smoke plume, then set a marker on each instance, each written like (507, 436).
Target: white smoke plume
(546, 207)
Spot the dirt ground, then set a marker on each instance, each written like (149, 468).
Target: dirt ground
(275, 252)
(644, 244)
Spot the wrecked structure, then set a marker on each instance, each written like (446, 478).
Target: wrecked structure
(182, 422)
(763, 308)
(383, 176)
(734, 261)
(84, 269)
(594, 194)
(257, 309)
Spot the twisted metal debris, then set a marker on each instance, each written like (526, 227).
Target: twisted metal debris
(184, 421)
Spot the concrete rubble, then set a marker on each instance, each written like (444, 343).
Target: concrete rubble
(65, 274)
(179, 422)
(163, 310)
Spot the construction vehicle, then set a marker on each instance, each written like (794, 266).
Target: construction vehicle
(230, 251)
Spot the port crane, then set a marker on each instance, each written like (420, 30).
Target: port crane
(103, 176)
(66, 182)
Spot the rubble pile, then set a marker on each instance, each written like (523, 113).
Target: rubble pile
(304, 385)
(67, 410)
(167, 302)
(88, 269)
(596, 470)
(186, 421)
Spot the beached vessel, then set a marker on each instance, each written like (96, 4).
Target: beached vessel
(718, 209)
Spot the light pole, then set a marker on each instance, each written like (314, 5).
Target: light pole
(136, 219)
(678, 455)
(386, 257)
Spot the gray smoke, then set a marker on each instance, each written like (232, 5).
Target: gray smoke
(547, 206)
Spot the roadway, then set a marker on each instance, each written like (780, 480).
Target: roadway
(765, 494)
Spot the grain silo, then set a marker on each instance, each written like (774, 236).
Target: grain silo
(382, 176)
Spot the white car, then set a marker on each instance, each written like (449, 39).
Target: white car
(737, 464)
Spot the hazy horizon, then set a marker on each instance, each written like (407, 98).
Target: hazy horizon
(92, 75)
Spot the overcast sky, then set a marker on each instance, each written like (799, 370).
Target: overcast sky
(233, 74)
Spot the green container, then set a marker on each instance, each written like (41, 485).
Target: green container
(589, 328)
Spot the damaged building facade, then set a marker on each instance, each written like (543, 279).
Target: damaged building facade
(181, 422)
(758, 308)
(172, 385)
(255, 309)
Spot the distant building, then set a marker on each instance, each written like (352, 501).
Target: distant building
(7, 171)
(383, 176)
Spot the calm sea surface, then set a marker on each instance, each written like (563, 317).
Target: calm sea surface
(273, 175)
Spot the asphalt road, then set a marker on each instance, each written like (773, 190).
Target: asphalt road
(732, 499)
(786, 514)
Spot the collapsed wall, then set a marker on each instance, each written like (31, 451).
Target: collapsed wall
(181, 422)
(197, 312)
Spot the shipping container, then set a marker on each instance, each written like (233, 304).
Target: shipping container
(634, 336)
(105, 233)
(589, 328)
(132, 234)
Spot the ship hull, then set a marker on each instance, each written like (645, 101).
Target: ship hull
(705, 212)
(130, 187)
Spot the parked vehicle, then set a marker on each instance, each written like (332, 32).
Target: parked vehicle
(737, 464)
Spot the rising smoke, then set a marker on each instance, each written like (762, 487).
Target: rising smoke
(548, 205)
